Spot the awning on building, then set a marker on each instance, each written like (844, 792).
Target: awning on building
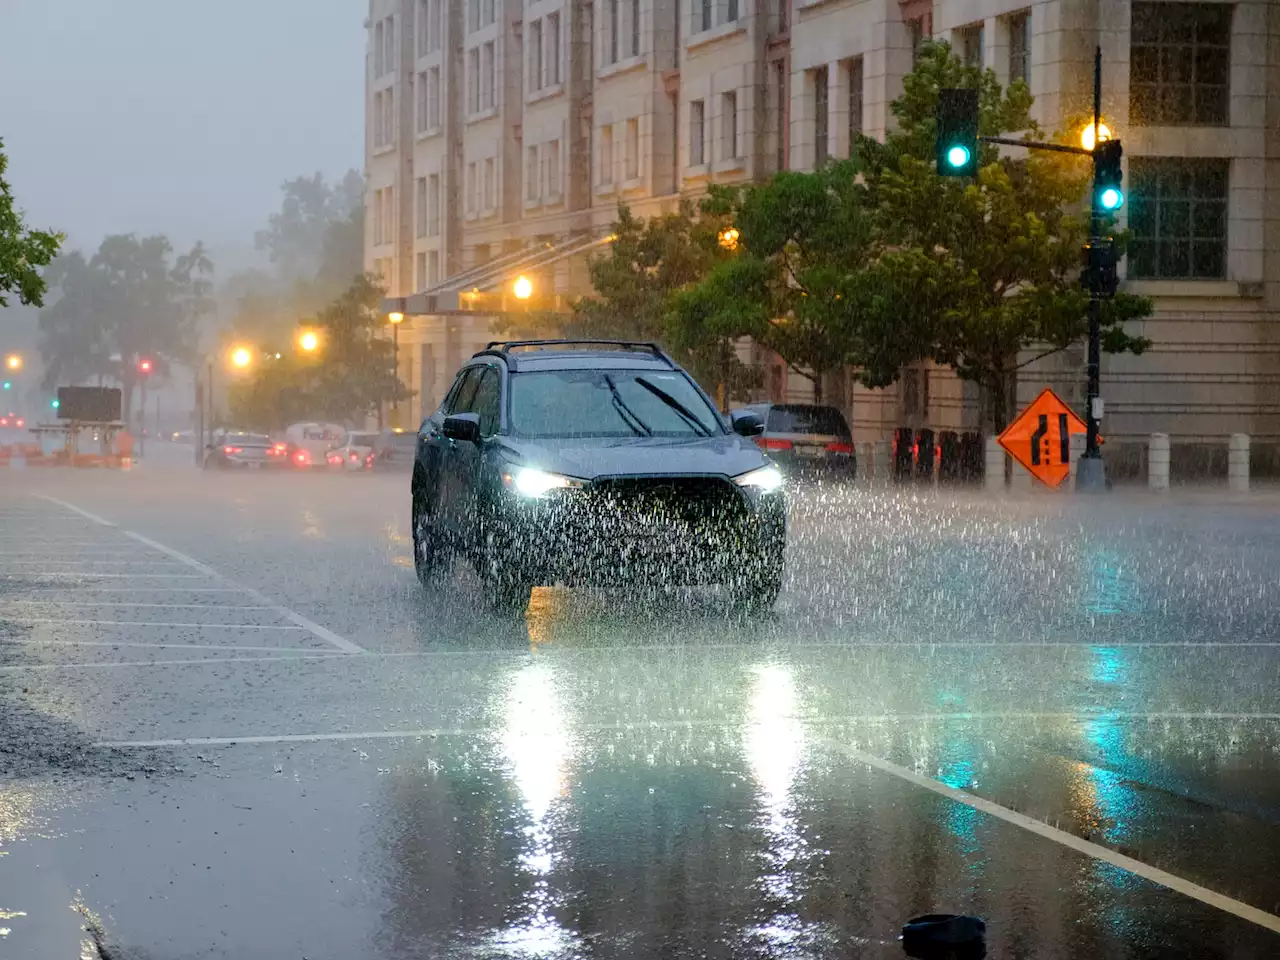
(464, 292)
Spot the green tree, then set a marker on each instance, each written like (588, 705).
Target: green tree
(1001, 253)
(351, 377)
(133, 298)
(296, 236)
(22, 251)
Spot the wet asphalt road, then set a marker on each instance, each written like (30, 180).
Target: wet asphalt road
(232, 725)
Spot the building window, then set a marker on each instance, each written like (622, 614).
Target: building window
(553, 169)
(388, 117)
(970, 40)
(433, 26)
(1178, 218)
(473, 187)
(420, 272)
(379, 65)
(614, 27)
(782, 109)
(1180, 64)
(915, 32)
(473, 15)
(420, 89)
(606, 155)
(730, 11)
(433, 98)
(697, 132)
(633, 148)
(390, 38)
(821, 117)
(854, 71)
(420, 207)
(486, 76)
(534, 46)
(635, 28)
(473, 80)
(433, 268)
(433, 205)
(729, 125)
(490, 12)
(420, 24)
(1020, 48)
(705, 21)
(388, 215)
(553, 48)
(377, 218)
(490, 201)
(531, 173)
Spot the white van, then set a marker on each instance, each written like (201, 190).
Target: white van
(309, 442)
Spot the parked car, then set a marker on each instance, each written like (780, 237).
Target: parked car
(233, 448)
(807, 439)
(394, 450)
(594, 463)
(355, 452)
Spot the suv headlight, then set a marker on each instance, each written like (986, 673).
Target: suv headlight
(766, 479)
(531, 482)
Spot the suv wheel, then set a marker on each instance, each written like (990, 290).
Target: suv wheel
(507, 586)
(430, 555)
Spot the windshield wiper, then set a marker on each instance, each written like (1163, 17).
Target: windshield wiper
(698, 426)
(638, 426)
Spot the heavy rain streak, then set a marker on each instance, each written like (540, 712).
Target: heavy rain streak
(490, 479)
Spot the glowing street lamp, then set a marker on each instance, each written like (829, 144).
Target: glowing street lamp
(13, 362)
(1087, 138)
(241, 358)
(729, 238)
(523, 288)
(396, 317)
(309, 341)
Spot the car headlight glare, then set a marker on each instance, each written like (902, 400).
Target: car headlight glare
(766, 479)
(531, 482)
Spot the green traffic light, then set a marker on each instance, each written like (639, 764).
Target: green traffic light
(55, 404)
(8, 385)
(1111, 198)
(958, 155)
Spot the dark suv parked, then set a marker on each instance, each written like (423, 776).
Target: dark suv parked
(594, 463)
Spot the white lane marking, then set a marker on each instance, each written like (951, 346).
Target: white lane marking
(95, 575)
(80, 590)
(157, 646)
(74, 509)
(154, 623)
(126, 603)
(206, 661)
(1137, 867)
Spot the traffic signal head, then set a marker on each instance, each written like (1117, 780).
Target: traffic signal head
(8, 385)
(957, 123)
(55, 404)
(144, 365)
(1108, 177)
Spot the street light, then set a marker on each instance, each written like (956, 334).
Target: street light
(523, 288)
(309, 341)
(1087, 138)
(13, 362)
(241, 358)
(729, 238)
(396, 316)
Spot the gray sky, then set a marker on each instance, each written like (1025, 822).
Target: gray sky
(176, 116)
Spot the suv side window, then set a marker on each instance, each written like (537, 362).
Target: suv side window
(460, 399)
(486, 400)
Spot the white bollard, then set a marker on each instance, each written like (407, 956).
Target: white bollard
(882, 461)
(1238, 462)
(1077, 444)
(1158, 462)
(993, 477)
(866, 460)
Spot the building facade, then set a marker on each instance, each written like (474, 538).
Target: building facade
(503, 134)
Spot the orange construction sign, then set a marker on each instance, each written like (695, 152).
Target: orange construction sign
(1040, 438)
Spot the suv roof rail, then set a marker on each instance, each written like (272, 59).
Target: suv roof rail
(504, 348)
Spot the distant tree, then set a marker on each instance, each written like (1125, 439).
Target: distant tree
(22, 251)
(133, 298)
(295, 237)
(351, 376)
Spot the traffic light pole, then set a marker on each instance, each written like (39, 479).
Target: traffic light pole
(1090, 471)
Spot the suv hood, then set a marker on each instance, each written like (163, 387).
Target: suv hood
(592, 458)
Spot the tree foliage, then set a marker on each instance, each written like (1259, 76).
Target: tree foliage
(297, 235)
(351, 376)
(132, 298)
(23, 251)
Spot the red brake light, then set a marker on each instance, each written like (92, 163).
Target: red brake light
(4, 421)
(837, 447)
(766, 443)
(281, 447)
(233, 449)
(22, 423)
(300, 456)
(354, 456)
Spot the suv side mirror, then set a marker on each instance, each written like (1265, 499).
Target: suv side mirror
(746, 423)
(463, 426)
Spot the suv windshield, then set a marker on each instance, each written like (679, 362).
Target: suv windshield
(803, 418)
(609, 403)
